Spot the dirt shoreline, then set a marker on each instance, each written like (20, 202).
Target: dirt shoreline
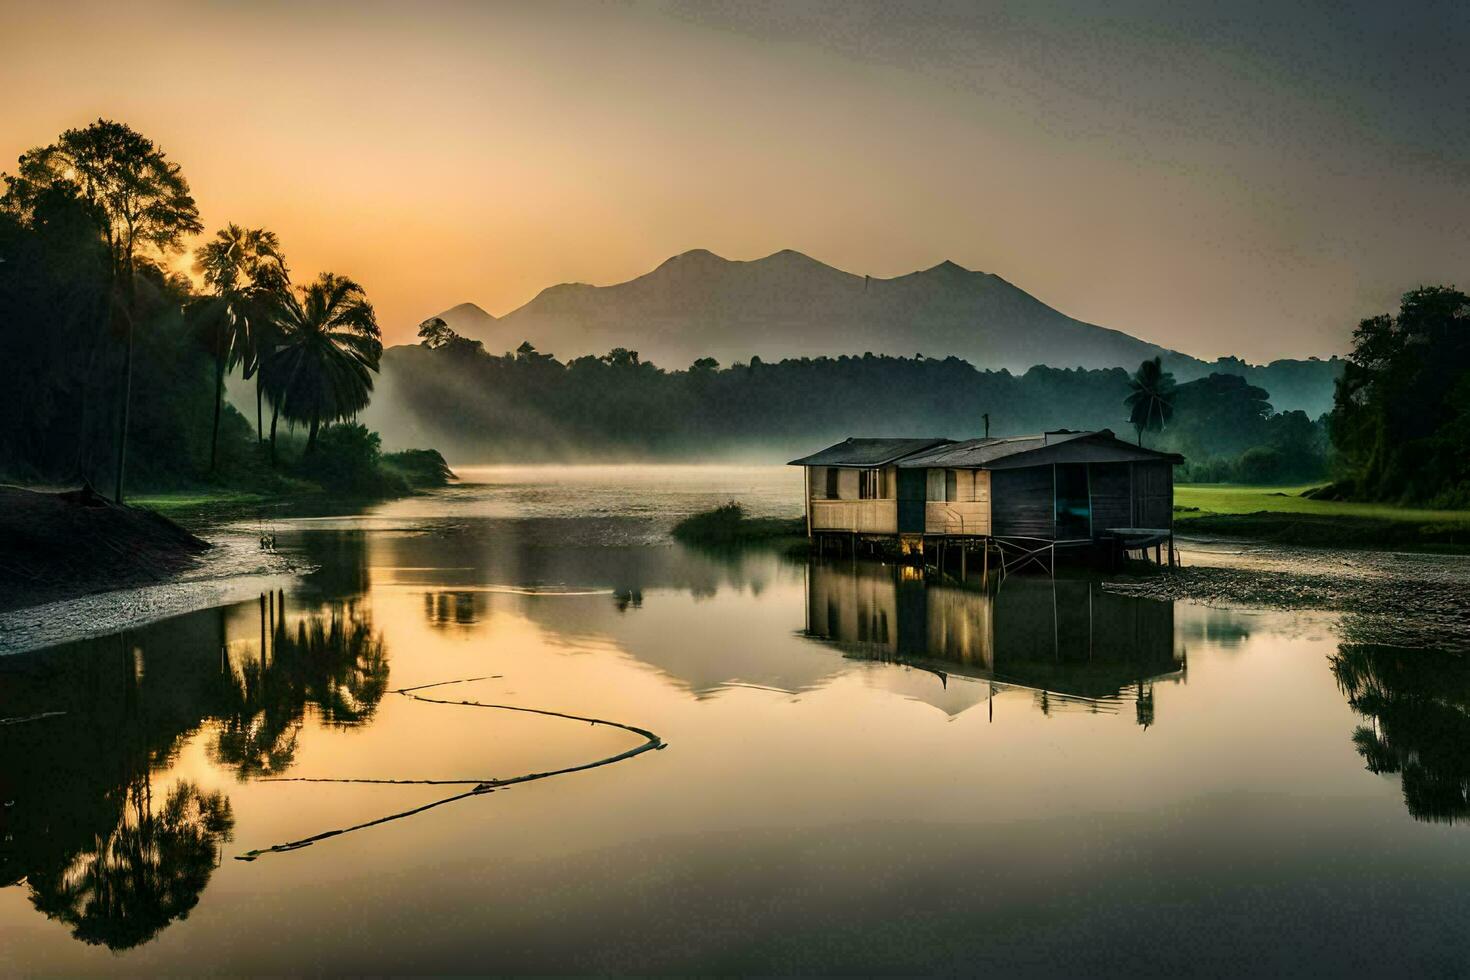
(1396, 598)
(73, 543)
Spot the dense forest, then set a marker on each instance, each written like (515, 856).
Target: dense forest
(114, 363)
(527, 405)
(1401, 420)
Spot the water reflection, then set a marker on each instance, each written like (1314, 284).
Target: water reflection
(330, 662)
(86, 827)
(143, 872)
(1072, 644)
(1417, 705)
(445, 609)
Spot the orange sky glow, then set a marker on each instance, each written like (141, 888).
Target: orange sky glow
(1174, 180)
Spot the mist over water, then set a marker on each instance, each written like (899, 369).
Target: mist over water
(864, 771)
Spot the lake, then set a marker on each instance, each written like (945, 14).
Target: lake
(741, 763)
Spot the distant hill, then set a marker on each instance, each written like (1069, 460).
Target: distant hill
(790, 305)
(468, 320)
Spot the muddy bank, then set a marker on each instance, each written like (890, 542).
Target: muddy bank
(56, 546)
(1396, 598)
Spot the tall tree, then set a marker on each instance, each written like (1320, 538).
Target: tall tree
(329, 350)
(246, 272)
(141, 206)
(1150, 399)
(1402, 408)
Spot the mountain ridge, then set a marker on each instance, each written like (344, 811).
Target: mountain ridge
(700, 304)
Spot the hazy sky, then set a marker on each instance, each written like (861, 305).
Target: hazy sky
(1216, 177)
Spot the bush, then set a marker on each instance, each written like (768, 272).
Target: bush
(1261, 464)
(347, 460)
(420, 468)
(727, 525)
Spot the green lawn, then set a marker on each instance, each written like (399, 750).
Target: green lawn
(1228, 498)
(193, 500)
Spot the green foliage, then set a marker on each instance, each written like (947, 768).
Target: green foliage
(1401, 416)
(727, 525)
(348, 460)
(419, 468)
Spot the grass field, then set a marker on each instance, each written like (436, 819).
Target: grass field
(1281, 514)
(1226, 498)
(189, 502)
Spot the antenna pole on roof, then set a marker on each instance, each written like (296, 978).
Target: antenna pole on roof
(986, 417)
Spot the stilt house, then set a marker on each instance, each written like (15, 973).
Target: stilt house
(1054, 489)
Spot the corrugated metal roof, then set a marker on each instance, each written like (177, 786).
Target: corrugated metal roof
(1013, 451)
(867, 452)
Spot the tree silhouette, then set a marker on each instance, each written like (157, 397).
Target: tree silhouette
(329, 349)
(1401, 415)
(1150, 398)
(139, 203)
(435, 333)
(246, 272)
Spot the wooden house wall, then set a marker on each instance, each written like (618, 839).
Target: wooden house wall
(1112, 505)
(849, 482)
(1017, 502)
(1022, 502)
(968, 513)
(847, 512)
(1153, 495)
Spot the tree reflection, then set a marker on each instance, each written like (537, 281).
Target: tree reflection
(142, 873)
(1417, 703)
(331, 663)
(81, 824)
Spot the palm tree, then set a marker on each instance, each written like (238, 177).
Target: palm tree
(328, 349)
(1151, 400)
(246, 271)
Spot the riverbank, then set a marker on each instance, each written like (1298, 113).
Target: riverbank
(62, 545)
(1398, 598)
(1282, 515)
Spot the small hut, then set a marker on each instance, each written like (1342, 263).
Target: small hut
(1026, 495)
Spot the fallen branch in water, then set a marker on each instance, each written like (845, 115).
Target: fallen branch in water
(25, 718)
(481, 786)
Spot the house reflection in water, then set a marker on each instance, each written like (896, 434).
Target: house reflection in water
(1068, 641)
(458, 608)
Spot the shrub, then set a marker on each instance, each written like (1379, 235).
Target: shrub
(419, 467)
(347, 460)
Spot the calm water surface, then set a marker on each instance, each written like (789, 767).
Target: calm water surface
(861, 772)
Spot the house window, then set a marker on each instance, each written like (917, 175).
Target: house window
(870, 485)
(951, 485)
(832, 491)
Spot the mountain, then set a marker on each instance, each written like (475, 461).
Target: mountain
(790, 305)
(468, 320)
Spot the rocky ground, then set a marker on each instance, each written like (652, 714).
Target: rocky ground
(1408, 599)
